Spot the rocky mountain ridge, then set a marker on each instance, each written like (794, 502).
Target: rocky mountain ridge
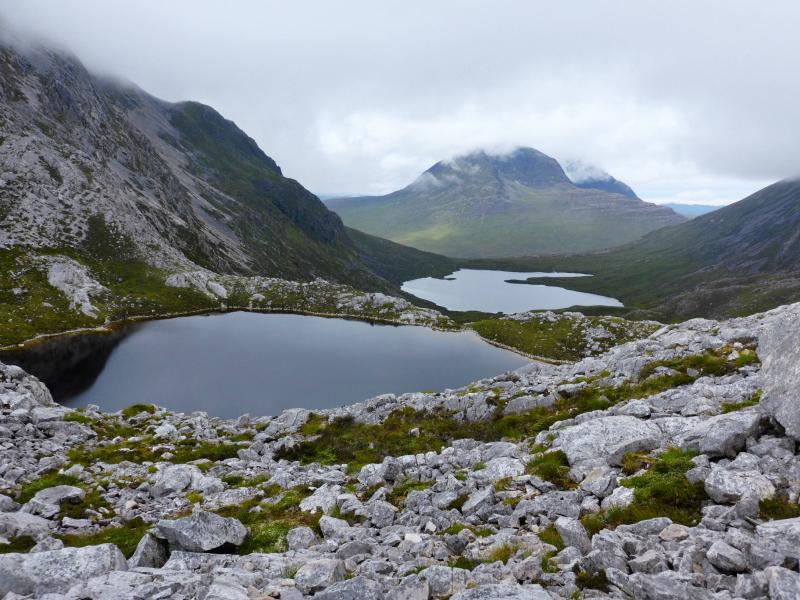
(665, 467)
(493, 205)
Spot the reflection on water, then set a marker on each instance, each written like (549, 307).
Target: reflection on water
(235, 363)
(489, 291)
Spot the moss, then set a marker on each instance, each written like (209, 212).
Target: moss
(270, 522)
(79, 417)
(733, 406)
(458, 502)
(501, 484)
(549, 535)
(552, 467)
(502, 553)
(462, 562)
(633, 462)
(136, 409)
(49, 480)
(125, 536)
(593, 581)
(22, 543)
(663, 491)
(778, 508)
(194, 497)
(241, 481)
(397, 495)
(148, 449)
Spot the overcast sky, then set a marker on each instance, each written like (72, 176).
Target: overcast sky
(687, 100)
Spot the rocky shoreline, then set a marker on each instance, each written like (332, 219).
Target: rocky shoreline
(665, 467)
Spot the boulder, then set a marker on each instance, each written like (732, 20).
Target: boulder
(56, 571)
(323, 499)
(499, 468)
(381, 513)
(783, 583)
(201, 532)
(781, 537)
(357, 588)
(174, 478)
(47, 502)
(504, 591)
(608, 438)
(722, 435)
(780, 371)
(726, 558)
(478, 501)
(573, 534)
(333, 528)
(729, 485)
(301, 538)
(17, 524)
(316, 575)
(150, 552)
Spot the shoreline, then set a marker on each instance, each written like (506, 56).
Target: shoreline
(43, 338)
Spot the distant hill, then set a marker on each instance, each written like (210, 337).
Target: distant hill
(488, 205)
(739, 259)
(593, 178)
(692, 210)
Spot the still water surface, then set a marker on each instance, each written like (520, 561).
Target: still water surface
(235, 363)
(489, 291)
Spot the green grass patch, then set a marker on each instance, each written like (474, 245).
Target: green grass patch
(550, 535)
(397, 495)
(148, 449)
(136, 409)
(21, 544)
(125, 536)
(751, 401)
(778, 508)
(49, 480)
(663, 491)
(592, 581)
(552, 467)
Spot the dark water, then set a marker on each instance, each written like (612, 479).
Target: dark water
(490, 291)
(235, 363)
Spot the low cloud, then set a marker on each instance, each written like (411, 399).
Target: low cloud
(673, 98)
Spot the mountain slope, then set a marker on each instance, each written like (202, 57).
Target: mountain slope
(483, 205)
(90, 163)
(739, 259)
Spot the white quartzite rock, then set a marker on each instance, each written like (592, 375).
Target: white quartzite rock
(201, 531)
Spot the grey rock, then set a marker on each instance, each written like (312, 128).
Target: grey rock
(410, 588)
(478, 501)
(56, 571)
(782, 537)
(357, 588)
(726, 558)
(47, 502)
(619, 498)
(608, 438)
(573, 534)
(648, 562)
(301, 538)
(316, 575)
(201, 531)
(150, 552)
(722, 435)
(351, 549)
(333, 528)
(728, 485)
(17, 524)
(783, 583)
(7, 504)
(778, 350)
(504, 591)
(173, 479)
(381, 513)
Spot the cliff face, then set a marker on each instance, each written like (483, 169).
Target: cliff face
(652, 470)
(91, 164)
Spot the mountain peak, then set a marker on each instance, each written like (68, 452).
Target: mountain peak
(589, 176)
(523, 165)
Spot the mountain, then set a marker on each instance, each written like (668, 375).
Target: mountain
(93, 165)
(488, 205)
(739, 259)
(593, 178)
(691, 210)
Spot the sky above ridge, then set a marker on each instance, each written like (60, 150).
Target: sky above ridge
(685, 101)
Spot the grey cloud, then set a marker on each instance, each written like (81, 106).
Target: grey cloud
(678, 99)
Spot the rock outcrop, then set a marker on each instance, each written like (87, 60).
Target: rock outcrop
(649, 471)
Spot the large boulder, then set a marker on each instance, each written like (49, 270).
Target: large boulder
(18, 524)
(780, 356)
(357, 588)
(316, 575)
(201, 532)
(56, 571)
(729, 485)
(47, 502)
(608, 438)
(722, 435)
